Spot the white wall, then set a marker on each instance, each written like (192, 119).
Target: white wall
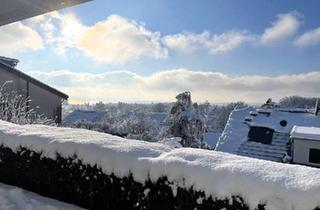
(301, 149)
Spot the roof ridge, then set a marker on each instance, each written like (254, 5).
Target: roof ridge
(13, 70)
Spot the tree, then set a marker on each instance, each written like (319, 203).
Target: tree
(100, 106)
(185, 121)
(297, 102)
(158, 107)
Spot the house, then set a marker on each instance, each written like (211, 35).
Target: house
(266, 132)
(306, 145)
(44, 99)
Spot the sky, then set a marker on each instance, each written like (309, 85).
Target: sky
(149, 51)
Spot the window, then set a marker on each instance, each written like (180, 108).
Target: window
(314, 155)
(260, 134)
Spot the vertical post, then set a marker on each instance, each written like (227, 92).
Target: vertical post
(317, 108)
(28, 95)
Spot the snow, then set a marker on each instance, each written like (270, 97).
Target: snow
(312, 133)
(236, 131)
(219, 174)
(13, 198)
(282, 186)
(172, 142)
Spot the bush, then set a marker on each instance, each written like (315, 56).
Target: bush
(72, 181)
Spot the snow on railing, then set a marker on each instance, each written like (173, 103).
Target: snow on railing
(221, 175)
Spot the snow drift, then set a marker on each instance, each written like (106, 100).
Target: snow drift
(219, 174)
(12, 198)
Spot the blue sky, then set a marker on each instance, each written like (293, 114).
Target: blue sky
(150, 50)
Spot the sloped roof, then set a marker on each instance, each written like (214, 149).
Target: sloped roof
(6, 67)
(90, 116)
(234, 138)
(15, 10)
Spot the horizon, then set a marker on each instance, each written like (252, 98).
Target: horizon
(103, 51)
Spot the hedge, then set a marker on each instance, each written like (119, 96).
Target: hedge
(72, 181)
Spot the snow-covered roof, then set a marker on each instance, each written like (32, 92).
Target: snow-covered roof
(301, 132)
(90, 116)
(219, 174)
(10, 61)
(211, 138)
(235, 134)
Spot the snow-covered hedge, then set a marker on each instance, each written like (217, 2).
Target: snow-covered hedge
(101, 171)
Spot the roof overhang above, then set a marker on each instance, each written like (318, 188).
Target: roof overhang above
(16, 10)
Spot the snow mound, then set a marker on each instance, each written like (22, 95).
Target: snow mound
(13, 198)
(219, 174)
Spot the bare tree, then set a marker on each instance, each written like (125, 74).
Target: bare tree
(14, 107)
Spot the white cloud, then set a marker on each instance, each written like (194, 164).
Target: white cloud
(309, 38)
(284, 27)
(70, 31)
(163, 86)
(215, 43)
(58, 31)
(18, 37)
(115, 40)
(119, 40)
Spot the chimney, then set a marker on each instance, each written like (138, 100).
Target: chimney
(317, 108)
(9, 61)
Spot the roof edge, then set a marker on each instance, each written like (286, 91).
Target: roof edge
(28, 78)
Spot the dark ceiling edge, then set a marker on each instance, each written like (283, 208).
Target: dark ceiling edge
(27, 16)
(33, 80)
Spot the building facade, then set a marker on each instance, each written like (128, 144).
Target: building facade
(306, 145)
(44, 99)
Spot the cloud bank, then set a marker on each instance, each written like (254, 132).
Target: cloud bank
(18, 37)
(214, 43)
(163, 86)
(118, 40)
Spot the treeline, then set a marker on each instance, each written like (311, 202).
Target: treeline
(298, 102)
(157, 122)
